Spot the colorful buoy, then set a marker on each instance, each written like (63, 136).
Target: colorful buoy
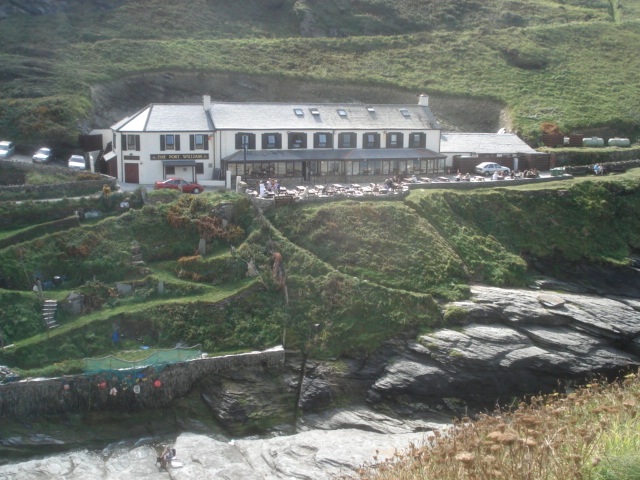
(157, 384)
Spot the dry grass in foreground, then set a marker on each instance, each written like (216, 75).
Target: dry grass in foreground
(591, 433)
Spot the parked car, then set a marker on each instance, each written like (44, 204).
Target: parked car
(489, 168)
(76, 162)
(179, 184)
(7, 149)
(44, 155)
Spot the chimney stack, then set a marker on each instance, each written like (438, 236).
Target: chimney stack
(206, 102)
(423, 100)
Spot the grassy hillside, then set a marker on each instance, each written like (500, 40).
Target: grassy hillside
(568, 62)
(335, 277)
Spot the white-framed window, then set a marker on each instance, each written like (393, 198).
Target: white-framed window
(347, 140)
(198, 141)
(322, 140)
(130, 142)
(271, 140)
(371, 140)
(169, 142)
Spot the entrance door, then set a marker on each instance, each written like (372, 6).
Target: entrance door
(112, 168)
(131, 173)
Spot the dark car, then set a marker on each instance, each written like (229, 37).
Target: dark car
(44, 155)
(179, 184)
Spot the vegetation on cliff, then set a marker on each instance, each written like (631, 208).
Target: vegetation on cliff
(570, 62)
(334, 277)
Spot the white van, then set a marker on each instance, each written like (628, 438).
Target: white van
(7, 149)
(76, 162)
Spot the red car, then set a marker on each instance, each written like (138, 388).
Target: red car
(179, 184)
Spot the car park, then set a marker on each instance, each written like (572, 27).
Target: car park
(44, 155)
(489, 168)
(77, 162)
(7, 149)
(179, 184)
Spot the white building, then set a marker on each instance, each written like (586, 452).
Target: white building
(318, 143)
(505, 148)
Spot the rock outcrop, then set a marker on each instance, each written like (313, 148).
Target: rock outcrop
(511, 343)
(317, 454)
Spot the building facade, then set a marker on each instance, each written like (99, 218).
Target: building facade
(317, 143)
(465, 150)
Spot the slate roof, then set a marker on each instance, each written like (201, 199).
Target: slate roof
(283, 116)
(167, 118)
(479, 143)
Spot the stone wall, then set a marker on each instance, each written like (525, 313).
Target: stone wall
(62, 188)
(135, 390)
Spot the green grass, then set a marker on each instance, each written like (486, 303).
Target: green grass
(572, 62)
(356, 273)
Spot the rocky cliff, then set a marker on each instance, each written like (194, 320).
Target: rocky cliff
(500, 345)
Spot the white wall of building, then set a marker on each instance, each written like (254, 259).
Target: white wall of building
(227, 139)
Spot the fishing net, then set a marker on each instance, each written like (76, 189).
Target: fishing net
(156, 358)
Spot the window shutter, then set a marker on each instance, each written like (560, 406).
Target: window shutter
(206, 141)
(177, 142)
(123, 142)
(162, 149)
(137, 143)
(192, 142)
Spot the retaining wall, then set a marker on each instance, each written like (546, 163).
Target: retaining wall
(82, 393)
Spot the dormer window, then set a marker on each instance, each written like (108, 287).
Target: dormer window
(371, 110)
(314, 111)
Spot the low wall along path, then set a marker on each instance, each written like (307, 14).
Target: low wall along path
(123, 390)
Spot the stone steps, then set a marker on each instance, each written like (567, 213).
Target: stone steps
(49, 313)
